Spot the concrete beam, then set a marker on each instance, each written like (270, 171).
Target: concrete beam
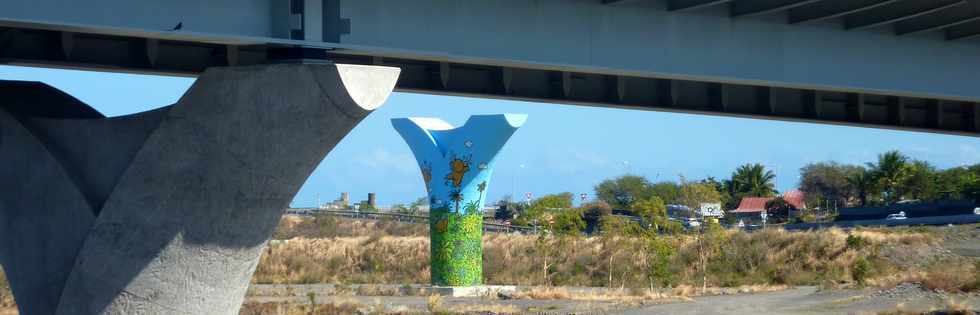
(934, 22)
(745, 8)
(898, 12)
(833, 9)
(167, 211)
(684, 5)
(964, 31)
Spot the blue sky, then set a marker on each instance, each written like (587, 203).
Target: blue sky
(562, 148)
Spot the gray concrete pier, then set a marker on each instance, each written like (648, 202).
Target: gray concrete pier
(164, 212)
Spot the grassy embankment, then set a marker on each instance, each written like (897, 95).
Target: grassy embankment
(348, 252)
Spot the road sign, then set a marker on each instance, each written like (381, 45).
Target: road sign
(711, 210)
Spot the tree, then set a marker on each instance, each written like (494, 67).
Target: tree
(734, 197)
(623, 191)
(594, 212)
(614, 226)
(778, 209)
(827, 181)
(507, 209)
(416, 206)
(920, 182)
(399, 208)
(652, 211)
(726, 197)
(693, 194)
(668, 192)
(553, 201)
(365, 206)
(538, 212)
(567, 222)
(890, 172)
(972, 191)
(662, 252)
(956, 182)
(863, 184)
(753, 180)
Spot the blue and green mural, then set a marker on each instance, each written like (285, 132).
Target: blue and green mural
(456, 165)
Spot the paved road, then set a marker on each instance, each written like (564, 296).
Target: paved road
(801, 300)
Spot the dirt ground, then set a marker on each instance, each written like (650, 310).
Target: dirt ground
(809, 300)
(798, 300)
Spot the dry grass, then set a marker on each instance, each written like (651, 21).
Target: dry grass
(337, 308)
(364, 251)
(6, 297)
(952, 307)
(624, 297)
(491, 308)
(344, 260)
(689, 291)
(736, 259)
(325, 226)
(951, 275)
(434, 303)
(682, 292)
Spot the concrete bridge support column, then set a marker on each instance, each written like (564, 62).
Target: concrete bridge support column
(167, 211)
(456, 167)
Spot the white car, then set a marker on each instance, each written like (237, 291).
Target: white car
(896, 216)
(976, 211)
(692, 222)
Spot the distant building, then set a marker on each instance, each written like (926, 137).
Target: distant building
(341, 203)
(369, 204)
(752, 208)
(796, 199)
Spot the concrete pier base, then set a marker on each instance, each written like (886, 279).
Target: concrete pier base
(475, 291)
(164, 212)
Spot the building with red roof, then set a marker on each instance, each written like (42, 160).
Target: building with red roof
(796, 199)
(753, 207)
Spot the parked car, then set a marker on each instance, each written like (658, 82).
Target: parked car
(896, 216)
(691, 222)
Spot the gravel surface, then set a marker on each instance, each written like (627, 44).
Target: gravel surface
(799, 300)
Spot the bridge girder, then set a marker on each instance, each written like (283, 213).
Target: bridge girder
(957, 18)
(744, 58)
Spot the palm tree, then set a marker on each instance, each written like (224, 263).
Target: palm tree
(890, 171)
(862, 181)
(754, 180)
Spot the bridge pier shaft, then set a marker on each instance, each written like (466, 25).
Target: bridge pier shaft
(167, 211)
(456, 165)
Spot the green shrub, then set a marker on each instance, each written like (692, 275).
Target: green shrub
(620, 226)
(661, 256)
(855, 242)
(861, 270)
(568, 222)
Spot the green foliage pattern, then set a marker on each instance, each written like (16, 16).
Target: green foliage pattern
(456, 248)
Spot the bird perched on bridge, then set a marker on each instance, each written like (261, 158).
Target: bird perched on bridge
(178, 26)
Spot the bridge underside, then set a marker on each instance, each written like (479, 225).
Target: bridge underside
(956, 19)
(895, 64)
(58, 49)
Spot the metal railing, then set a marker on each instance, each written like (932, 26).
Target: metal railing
(406, 218)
